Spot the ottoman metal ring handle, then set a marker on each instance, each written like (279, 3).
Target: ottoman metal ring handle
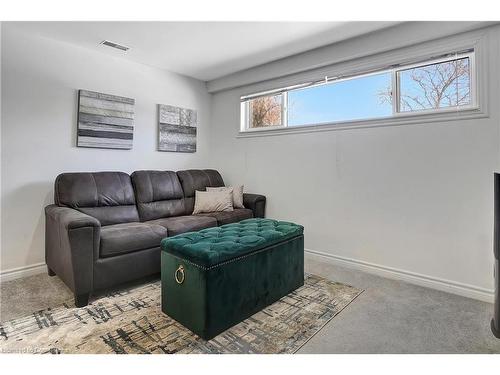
(179, 274)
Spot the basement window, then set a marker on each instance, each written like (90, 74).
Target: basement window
(438, 85)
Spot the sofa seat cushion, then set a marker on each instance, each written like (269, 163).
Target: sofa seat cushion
(125, 238)
(182, 224)
(209, 247)
(228, 217)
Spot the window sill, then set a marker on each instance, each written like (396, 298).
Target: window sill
(403, 119)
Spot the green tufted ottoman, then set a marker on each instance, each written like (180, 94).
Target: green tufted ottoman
(217, 277)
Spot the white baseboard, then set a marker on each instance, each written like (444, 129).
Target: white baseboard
(449, 286)
(19, 272)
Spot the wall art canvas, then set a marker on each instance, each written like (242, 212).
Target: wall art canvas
(105, 121)
(176, 129)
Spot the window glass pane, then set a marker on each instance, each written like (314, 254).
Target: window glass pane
(353, 99)
(265, 111)
(435, 86)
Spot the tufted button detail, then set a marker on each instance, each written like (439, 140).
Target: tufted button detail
(212, 246)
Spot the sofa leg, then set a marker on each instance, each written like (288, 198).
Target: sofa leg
(50, 272)
(82, 300)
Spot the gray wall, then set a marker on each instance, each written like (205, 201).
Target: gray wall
(40, 79)
(410, 201)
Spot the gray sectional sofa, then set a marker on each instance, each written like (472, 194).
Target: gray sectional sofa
(105, 228)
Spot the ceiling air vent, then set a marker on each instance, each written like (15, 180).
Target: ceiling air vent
(115, 45)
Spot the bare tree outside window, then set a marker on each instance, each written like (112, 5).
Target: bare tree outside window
(435, 86)
(266, 111)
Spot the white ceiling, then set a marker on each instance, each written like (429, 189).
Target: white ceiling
(204, 50)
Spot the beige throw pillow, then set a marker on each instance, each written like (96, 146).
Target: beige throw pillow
(213, 201)
(237, 194)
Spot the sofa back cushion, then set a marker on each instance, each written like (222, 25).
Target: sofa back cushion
(107, 196)
(197, 179)
(158, 194)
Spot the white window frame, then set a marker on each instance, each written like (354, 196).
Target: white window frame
(457, 56)
(397, 115)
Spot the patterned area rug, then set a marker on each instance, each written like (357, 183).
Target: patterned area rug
(131, 321)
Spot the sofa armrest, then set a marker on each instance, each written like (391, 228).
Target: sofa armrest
(70, 218)
(71, 246)
(255, 202)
